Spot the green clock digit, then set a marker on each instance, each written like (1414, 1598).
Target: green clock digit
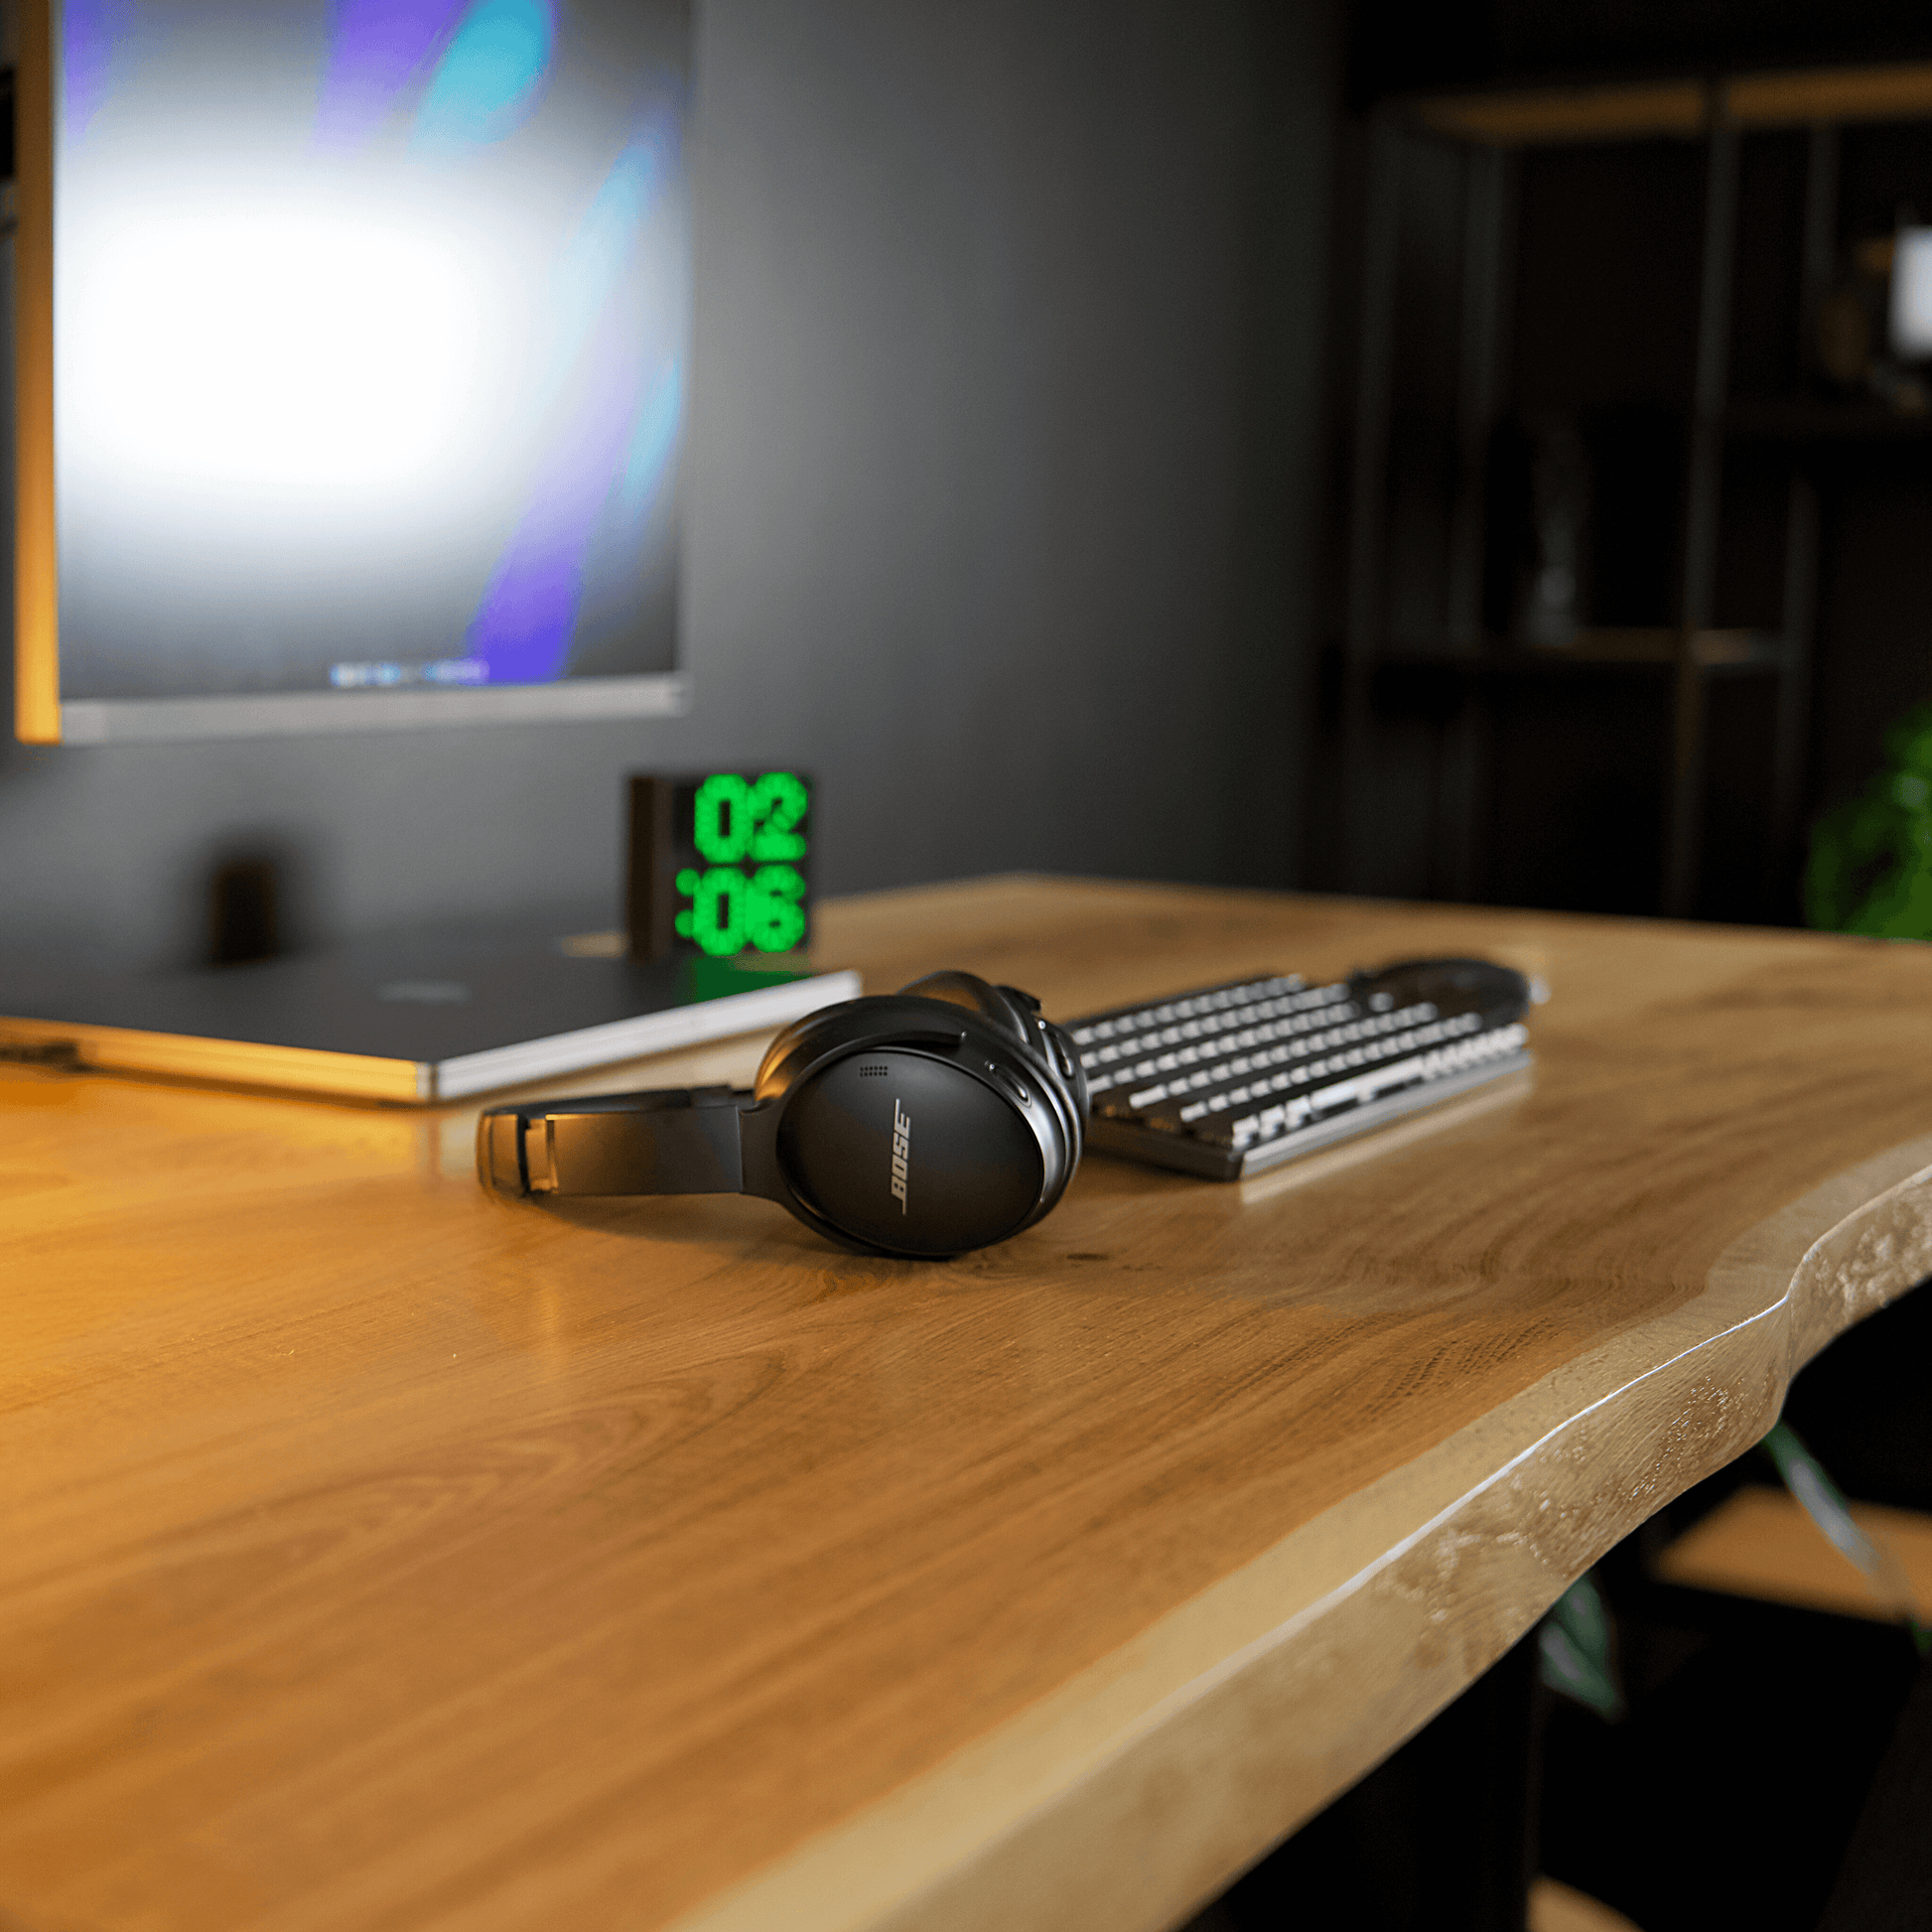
(779, 801)
(774, 919)
(723, 818)
(718, 912)
(748, 886)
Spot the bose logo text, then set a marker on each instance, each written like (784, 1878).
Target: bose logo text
(902, 1140)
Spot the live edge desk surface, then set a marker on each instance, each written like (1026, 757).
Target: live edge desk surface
(375, 1558)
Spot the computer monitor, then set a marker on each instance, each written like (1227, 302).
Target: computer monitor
(352, 350)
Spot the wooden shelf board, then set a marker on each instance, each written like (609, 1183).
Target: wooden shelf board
(1710, 649)
(1558, 1907)
(1557, 114)
(1598, 649)
(1547, 117)
(1761, 1543)
(1898, 92)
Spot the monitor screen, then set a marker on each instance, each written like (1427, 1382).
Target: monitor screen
(369, 345)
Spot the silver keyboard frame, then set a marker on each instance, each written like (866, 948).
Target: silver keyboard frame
(1157, 1148)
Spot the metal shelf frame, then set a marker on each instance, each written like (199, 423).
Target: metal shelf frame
(1491, 130)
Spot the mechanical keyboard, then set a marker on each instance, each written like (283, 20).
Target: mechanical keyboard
(1229, 1080)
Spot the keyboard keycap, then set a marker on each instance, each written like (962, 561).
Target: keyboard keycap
(1244, 1065)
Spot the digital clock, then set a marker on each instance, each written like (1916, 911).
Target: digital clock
(720, 864)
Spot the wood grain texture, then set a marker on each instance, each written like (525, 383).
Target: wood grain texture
(376, 1556)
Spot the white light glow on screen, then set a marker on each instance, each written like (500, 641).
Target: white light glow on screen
(1911, 293)
(287, 351)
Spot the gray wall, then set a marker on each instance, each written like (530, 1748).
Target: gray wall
(1006, 444)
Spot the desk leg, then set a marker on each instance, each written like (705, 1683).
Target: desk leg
(1439, 1836)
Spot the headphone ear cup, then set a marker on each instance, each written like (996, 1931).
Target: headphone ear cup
(785, 1042)
(1001, 1005)
(954, 1090)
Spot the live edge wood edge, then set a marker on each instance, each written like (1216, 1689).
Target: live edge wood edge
(1135, 1790)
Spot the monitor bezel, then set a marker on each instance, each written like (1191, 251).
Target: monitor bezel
(40, 714)
(302, 714)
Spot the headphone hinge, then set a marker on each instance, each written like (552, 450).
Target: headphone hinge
(758, 1153)
(539, 1155)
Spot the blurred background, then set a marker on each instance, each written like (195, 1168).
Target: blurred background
(1633, 364)
(1002, 517)
(1454, 450)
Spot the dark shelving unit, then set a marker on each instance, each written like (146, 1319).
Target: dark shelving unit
(1626, 281)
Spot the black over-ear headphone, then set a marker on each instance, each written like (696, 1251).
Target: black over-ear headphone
(925, 1122)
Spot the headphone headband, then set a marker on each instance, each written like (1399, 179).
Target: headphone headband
(675, 1140)
(956, 1099)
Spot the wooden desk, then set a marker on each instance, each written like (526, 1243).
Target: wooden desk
(378, 1557)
